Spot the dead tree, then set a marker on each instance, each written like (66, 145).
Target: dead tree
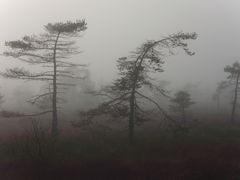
(234, 76)
(124, 96)
(50, 51)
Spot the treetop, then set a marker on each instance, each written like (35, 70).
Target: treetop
(234, 69)
(67, 27)
(183, 98)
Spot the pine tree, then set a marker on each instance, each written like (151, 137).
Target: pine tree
(49, 51)
(180, 102)
(234, 76)
(124, 96)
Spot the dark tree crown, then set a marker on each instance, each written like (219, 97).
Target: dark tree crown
(68, 27)
(183, 99)
(20, 44)
(147, 59)
(233, 70)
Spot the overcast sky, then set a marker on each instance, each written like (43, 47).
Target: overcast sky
(116, 27)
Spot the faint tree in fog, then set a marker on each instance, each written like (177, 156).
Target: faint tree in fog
(164, 83)
(45, 102)
(124, 96)
(1, 99)
(219, 90)
(234, 71)
(180, 102)
(50, 51)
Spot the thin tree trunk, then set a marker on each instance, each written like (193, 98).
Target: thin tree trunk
(132, 116)
(218, 103)
(132, 113)
(183, 117)
(235, 100)
(54, 98)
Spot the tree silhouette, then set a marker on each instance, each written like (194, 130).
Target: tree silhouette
(124, 96)
(1, 99)
(180, 102)
(50, 51)
(234, 75)
(219, 90)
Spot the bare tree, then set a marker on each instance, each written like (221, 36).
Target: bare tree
(50, 51)
(234, 71)
(124, 96)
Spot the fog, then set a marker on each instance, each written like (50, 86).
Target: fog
(115, 29)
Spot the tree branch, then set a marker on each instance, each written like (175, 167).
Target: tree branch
(157, 105)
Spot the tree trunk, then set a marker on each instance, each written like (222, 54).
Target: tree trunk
(235, 100)
(218, 103)
(132, 117)
(54, 97)
(132, 102)
(183, 116)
